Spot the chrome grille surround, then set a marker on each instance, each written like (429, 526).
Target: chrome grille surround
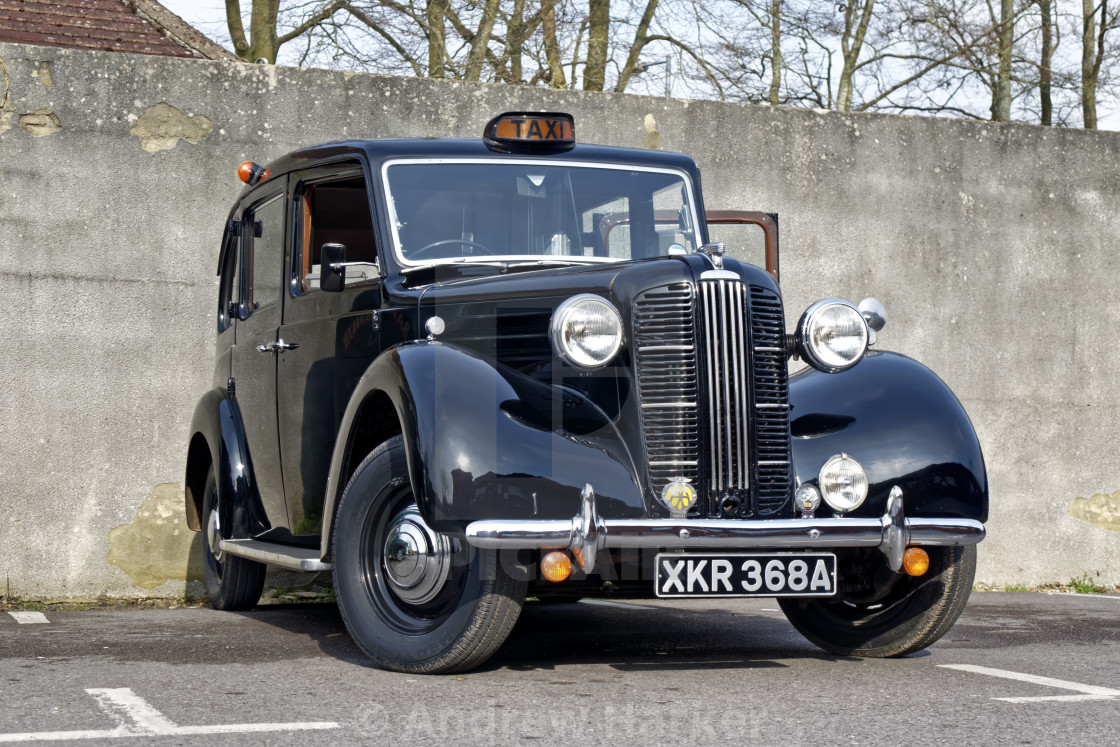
(714, 360)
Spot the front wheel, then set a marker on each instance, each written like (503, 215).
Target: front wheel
(913, 615)
(414, 600)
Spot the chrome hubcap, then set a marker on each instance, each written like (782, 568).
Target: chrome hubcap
(214, 535)
(417, 561)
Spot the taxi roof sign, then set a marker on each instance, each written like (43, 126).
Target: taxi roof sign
(530, 131)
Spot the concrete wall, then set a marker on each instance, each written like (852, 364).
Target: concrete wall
(994, 248)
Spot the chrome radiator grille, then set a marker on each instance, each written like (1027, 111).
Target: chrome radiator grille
(723, 319)
(715, 362)
(666, 366)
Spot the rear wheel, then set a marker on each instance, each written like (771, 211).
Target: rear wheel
(414, 600)
(232, 583)
(914, 614)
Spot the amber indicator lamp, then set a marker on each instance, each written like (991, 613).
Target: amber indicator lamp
(529, 130)
(915, 561)
(556, 566)
(252, 173)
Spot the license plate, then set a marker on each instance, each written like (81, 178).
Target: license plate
(746, 575)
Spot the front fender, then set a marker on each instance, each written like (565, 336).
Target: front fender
(484, 441)
(217, 423)
(903, 424)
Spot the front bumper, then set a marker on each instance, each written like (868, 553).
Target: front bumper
(587, 533)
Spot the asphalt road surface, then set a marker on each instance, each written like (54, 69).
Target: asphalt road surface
(1018, 668)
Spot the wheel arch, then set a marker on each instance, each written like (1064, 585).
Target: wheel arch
(375, 421)
(480, 441)
(218, 442)
(200, 461)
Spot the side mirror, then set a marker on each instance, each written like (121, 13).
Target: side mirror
(875, 314)
(332, 267)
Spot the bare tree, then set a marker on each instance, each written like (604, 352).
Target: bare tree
(1001, 102)
(966, 58)
(775, 20)
(857, 19)
(1097, 21)
(263, 40)
(1045, 63)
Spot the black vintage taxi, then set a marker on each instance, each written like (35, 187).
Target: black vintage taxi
(464, 373)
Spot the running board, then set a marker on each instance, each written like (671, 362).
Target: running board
(285, 556)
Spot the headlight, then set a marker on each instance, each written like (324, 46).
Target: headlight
(832, 335)
(586, 331)
(843, 483)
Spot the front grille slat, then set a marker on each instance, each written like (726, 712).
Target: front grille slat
(665, 356)
(734, 336)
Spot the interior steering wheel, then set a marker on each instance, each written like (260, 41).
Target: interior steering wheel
(416, 253)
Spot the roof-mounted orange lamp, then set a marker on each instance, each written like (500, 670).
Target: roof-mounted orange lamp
(252, 173)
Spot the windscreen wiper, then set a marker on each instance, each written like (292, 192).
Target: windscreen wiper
(503, 267)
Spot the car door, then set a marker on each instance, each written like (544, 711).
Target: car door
(258, 346)
(748, 236)
(337, 332)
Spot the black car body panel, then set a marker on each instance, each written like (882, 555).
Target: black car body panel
(901, 422)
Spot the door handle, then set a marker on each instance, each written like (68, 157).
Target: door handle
(277, 347)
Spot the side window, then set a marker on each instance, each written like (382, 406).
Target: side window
(334, 212)
(263, 232)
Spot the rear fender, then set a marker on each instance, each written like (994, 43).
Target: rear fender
(903, 424)
(484, 441)
(217, 424)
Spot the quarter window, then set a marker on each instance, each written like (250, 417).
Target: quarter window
(264, 241)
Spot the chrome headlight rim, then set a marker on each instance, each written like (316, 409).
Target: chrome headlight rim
(804, 337)
(560, 318)
(825, 480)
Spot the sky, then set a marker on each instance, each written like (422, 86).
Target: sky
(209, 17)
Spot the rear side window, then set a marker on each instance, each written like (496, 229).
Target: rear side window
(263, 230)
(335, 212)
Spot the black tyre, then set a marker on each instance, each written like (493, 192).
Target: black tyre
(232, 583)
(913, 615)
(413, 600)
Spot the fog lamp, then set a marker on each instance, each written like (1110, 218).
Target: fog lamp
(843, 483)
(915, 561)
(808, 498)
(556, 566)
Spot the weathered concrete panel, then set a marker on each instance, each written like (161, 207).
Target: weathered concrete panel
(994, 249)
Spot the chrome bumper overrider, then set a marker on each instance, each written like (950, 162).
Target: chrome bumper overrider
(587, 533)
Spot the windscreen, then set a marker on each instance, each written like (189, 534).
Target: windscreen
(515, 210)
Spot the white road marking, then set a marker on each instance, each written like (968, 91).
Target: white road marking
(29, 618)
(1089, 692)
(621, 605)
(136, 717)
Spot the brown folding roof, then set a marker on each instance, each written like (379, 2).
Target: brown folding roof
(141, 26)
